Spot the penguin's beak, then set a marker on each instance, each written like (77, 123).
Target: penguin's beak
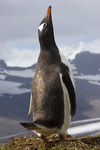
(48, 15)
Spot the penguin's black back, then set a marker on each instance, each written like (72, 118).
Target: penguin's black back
(47, 93)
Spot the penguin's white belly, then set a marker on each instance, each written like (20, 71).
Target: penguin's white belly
(67, 116)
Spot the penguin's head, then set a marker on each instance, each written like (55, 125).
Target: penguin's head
(45, 30)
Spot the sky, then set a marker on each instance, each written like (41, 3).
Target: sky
(76, 28)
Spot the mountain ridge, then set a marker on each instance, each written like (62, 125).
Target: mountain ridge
(16, 82)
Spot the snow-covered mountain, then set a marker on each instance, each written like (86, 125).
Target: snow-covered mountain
(15, 88)
(14, 79)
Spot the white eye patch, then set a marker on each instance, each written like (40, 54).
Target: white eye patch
(42, 26)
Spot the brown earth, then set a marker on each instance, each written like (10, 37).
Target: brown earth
(53, 143)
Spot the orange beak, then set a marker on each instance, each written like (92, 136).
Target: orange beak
(48, 12)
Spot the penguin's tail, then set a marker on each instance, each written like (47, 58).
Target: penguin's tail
(30, 126)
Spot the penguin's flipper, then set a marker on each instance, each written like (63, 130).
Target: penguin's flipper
(69, 86)
(30, 106)
(30, 126)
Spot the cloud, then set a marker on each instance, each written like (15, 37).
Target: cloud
(21, 57)
(74, 23)
(20, 19)
(71, 51)
(26, 57)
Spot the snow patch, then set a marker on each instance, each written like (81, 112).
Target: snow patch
(95, 82)
(2, 76)
(27, 73)
(7, 87)
(88, 128)
(93, 79)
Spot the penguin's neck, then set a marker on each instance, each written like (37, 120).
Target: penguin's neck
(47, 43)
(49, 55)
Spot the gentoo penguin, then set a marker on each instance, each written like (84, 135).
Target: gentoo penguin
(53, 99)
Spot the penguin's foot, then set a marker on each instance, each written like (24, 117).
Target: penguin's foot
(61, 138)
(43, 137)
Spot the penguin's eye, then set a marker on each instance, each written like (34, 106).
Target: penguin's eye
(42, 26)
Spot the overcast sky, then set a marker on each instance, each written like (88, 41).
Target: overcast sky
(76, 27)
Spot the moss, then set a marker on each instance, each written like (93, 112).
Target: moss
(53, 143)
(2, 148)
